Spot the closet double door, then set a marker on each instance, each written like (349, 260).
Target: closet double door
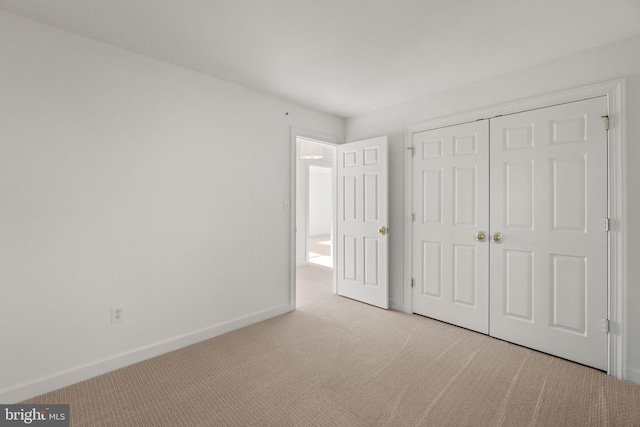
(510, 235)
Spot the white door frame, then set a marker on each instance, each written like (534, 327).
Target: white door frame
(615, 92)
(320, 138)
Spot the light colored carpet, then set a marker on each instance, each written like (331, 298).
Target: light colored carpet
(336, 362)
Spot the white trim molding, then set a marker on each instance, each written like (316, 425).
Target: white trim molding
(615, 92)
(76, 374)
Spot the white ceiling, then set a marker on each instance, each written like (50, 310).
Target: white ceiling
(345, 57)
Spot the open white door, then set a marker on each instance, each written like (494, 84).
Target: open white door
(362, 240)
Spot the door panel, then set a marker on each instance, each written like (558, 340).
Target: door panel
(464, 275)
(464, 188)
(549, 201)
(362, 210)
(518, 193)
(450, 197)
(518, 274)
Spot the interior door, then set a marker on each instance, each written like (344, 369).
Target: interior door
(451, 208)
(362, 241)
(549, 204)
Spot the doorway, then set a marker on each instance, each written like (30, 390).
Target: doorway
(359, 233)
(315, 164)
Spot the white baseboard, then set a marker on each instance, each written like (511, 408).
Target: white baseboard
(633, 375)
(67, 377)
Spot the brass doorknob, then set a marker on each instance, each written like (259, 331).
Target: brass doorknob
(497, 237)
(481, 236)
(382, 230)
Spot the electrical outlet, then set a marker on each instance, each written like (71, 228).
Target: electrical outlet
(117, 314)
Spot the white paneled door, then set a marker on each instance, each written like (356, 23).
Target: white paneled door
(451, 208)
(362, 238)
(549, 205)
(510, 233)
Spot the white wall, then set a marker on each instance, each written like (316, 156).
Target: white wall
(320, 200)
(612, 61)
(125, 180)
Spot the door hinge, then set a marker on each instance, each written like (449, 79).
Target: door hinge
(413, 151)
(606, 122)
(413, 217)
(607, 224)
(607, 326)
(413, 282)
